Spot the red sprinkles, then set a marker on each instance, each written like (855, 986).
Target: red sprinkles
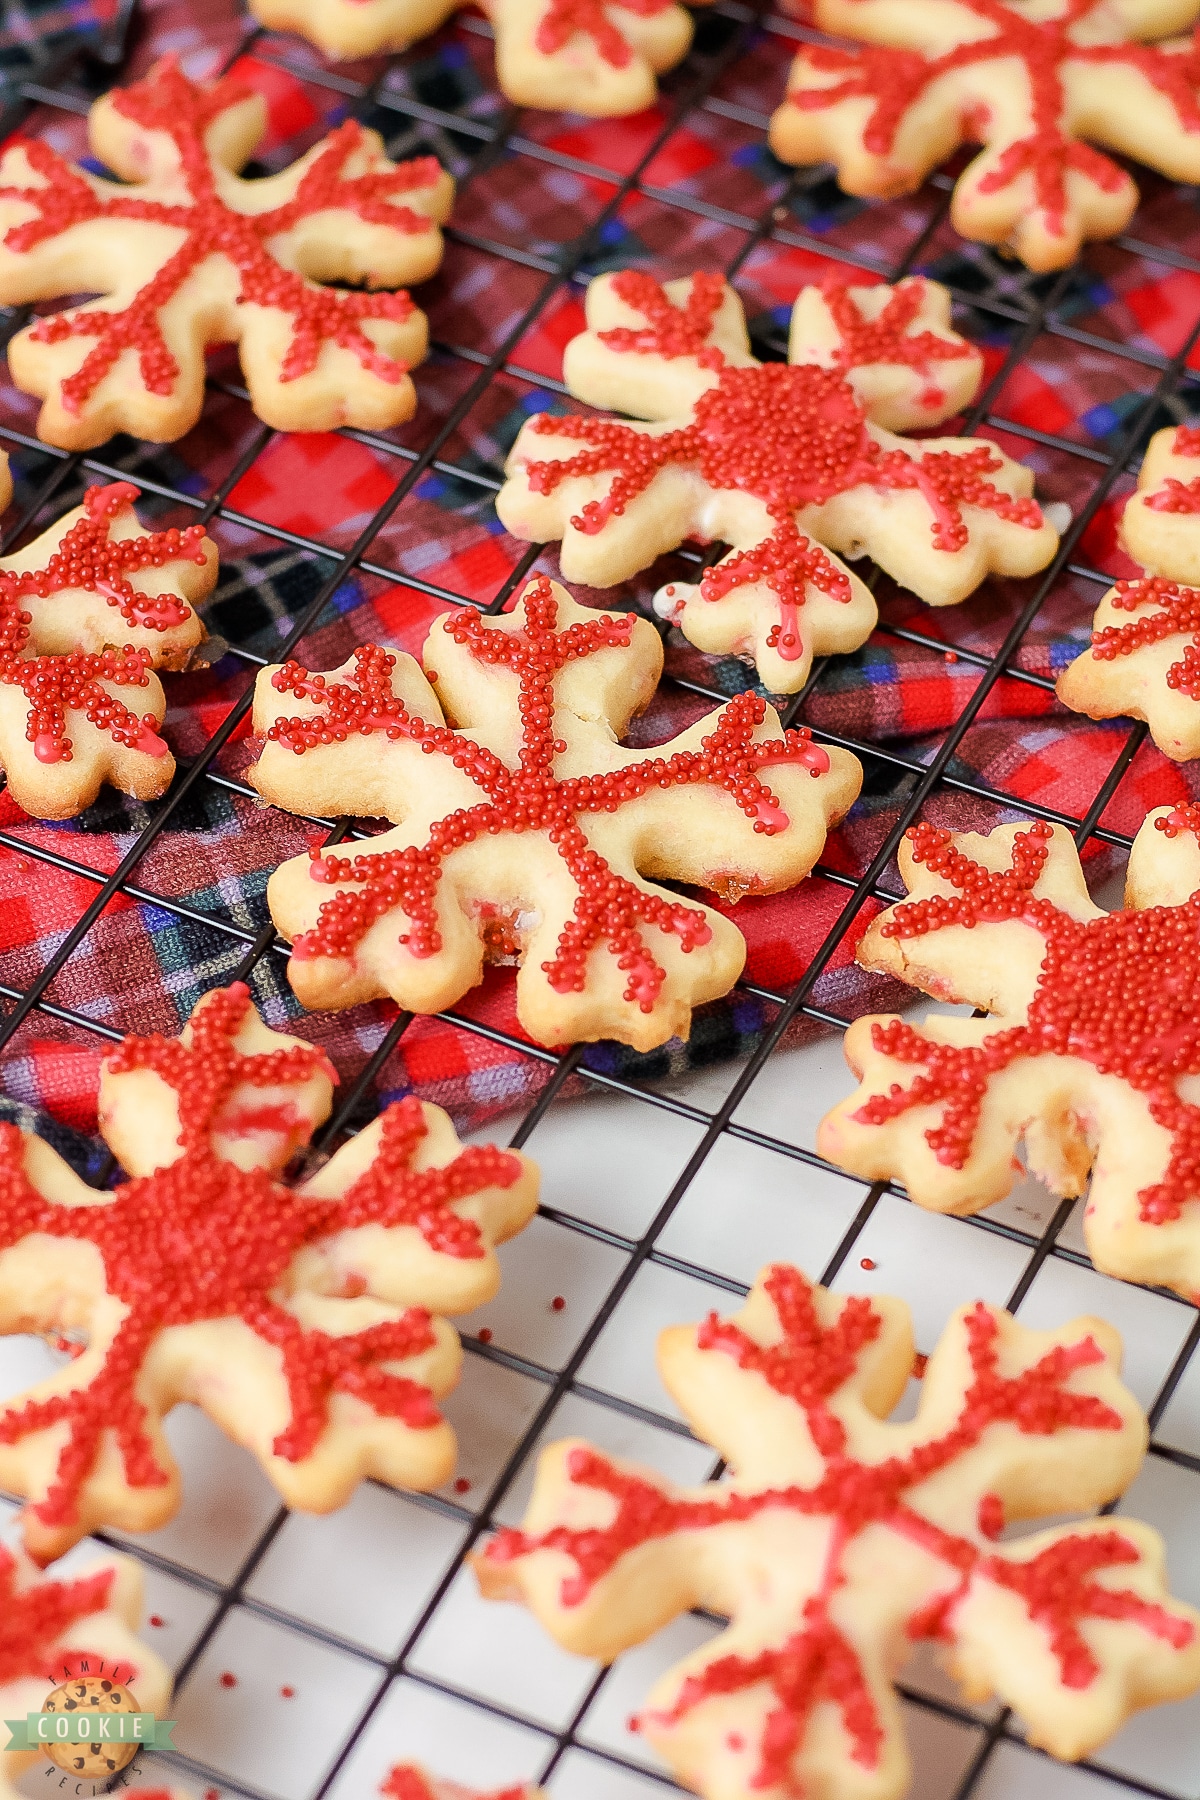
(89, 558)
(610, 910)
(1099, 996)
(816, 1662)
(167, 102)
(895, 79)
(790, 435)
(33, 1619)
(565, 19)
(204, 1239)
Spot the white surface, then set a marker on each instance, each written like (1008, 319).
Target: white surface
(333, 1599)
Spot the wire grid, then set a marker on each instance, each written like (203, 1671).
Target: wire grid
(66, 80)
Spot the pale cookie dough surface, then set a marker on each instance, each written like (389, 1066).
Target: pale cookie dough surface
(50, 1620)
(304, 1320)
(1090, 1056)
(789, 465)
(1144, 659)
(191, 255)
(528, 834)
(594, 57)
(1037, 85)
(839, 1538)
(79, 704)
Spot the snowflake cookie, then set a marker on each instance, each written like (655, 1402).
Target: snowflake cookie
(1091, 1056)
(528, 832)
(408, 1781)
(786, 462)
(191, 255)
(76, 708)
(1029, 83)
(303, 1319)
(597, 57)
(1144, 659)
(841, 1539)
(54, 1627)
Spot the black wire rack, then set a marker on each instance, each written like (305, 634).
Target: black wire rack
(61, 80)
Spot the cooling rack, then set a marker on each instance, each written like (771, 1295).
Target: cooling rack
(311, 1654)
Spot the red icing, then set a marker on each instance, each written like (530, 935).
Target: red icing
(565, 19)
(1175, 496)
(790, 436)
(204, 1239)
(1187, 440)
(1118, 992)
(610, 910)
(672, 329)
(897, 79)
(407, 1782)
(89, 558)
(810, 1365)
(1179, 613)
(33, 1619)
(167, 103)
(1055, 1588)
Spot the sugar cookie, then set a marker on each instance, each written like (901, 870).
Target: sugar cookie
(838, 1539)
(304, 1320)
(1091, 1055)
(1147, 666)
(55, 1626)
(528, 832)
(1030, 84)
(87, 611)
(597, 57)
(786, 463)
(191, 255)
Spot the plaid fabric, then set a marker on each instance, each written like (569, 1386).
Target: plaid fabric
(31, 30)
(197, 902)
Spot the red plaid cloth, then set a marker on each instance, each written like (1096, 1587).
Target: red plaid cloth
(142, 965)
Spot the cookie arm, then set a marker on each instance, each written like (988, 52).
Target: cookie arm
(657, 519)
(493, 1194)
(348, 29)
(651, 350)
(1142, 663)
(1160, 526)
(603, 55)
(1120, 1641)
(641, 1589)
(1038, 1099)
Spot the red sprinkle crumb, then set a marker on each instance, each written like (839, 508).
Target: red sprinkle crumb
(485, 1334)
(156, 1621)
(558, 1304)
(920, 1364)
(287, 1693)
(228, 1680)
(868, 1262)
(462, 1485)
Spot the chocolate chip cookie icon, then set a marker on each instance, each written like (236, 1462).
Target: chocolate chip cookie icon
(101, 1755)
